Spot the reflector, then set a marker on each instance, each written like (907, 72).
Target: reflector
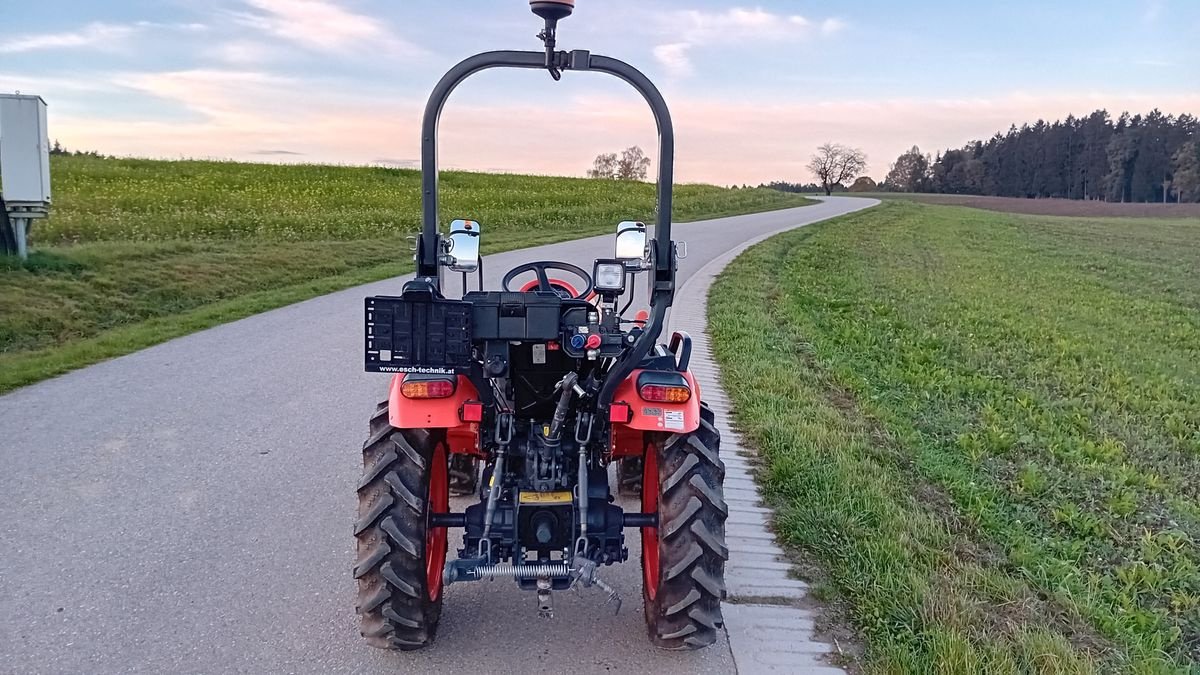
(471, 412)
(620, 413)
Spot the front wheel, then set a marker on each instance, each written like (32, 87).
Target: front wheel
(683, 559)
(400, 557)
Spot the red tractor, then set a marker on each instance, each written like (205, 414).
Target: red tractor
(525, 395)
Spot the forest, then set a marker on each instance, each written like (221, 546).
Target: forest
(1134, 158)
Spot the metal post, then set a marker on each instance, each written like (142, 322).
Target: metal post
(20, 230)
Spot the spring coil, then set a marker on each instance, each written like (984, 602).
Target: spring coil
(510, 571)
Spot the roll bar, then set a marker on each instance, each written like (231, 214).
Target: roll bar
(428, 251)
(663, 253)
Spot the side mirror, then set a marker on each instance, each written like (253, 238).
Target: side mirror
(631, 243)
(462, 246)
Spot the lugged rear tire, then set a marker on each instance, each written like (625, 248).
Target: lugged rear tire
(683, 560)
(399, 556)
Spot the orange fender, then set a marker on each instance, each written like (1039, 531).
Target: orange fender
(436, 413)
(674, 418)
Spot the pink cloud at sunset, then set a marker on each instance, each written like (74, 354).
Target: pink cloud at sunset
(241, 115)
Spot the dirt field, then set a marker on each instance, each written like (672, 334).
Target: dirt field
(1058, 207)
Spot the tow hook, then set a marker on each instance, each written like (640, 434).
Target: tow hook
(545, 604)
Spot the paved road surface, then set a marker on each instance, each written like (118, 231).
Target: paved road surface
(188, 508)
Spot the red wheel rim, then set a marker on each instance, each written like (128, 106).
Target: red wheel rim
(650, 534)
(435, 537)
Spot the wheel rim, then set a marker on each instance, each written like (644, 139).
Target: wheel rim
(650, 534)
(435, 537)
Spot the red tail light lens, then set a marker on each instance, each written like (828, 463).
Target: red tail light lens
(427, 388)
(659, 393)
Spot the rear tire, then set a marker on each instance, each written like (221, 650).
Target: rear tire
(400, 558)
(683, 560)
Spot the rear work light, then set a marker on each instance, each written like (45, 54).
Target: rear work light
(663, 387)
(427, 388)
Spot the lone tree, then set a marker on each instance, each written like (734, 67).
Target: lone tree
(604, 166)
(633, 164)
(835, 163)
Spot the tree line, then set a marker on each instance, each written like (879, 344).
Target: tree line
(1134, 158)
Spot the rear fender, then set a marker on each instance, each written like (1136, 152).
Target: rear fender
(437, 413)
(672, 418)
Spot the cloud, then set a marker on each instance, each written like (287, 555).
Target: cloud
(832, 25)
(698, 26)
(96, 35)
(322, 25)
(1152, 10)
(698, 29)
(237, 113)
(396, 162)
(101, 35)
(674, 58)
(246, 52)
(229, 97)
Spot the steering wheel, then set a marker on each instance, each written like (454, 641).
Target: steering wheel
(545, 283)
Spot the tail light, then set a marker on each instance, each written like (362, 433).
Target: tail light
(427, 387)
(665, 393)
(663, 387)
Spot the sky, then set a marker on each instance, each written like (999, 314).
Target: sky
(753, 87)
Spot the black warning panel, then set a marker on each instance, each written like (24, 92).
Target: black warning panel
(417, 336)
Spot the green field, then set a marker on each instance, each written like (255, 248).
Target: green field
(139, 251)
(984, 428)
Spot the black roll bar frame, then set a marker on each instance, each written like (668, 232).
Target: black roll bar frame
(429, 245)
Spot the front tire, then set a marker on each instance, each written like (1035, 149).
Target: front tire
(400, 557)
(683, 559)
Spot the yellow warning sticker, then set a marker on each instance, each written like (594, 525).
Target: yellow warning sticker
(546, 497)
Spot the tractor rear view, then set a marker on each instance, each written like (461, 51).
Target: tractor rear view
(524, 396)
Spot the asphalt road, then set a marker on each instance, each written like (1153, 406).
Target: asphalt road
(188, 508)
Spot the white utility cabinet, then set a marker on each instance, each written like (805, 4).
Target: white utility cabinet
(24, 151)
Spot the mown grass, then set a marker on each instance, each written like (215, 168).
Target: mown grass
(986, 427)
(140, 251)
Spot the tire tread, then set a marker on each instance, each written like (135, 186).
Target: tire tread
(393, 601)
(686, 610)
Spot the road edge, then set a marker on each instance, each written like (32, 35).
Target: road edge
(768, 629)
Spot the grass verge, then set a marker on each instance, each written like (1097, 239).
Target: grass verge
(985, 427)
(141, 251)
